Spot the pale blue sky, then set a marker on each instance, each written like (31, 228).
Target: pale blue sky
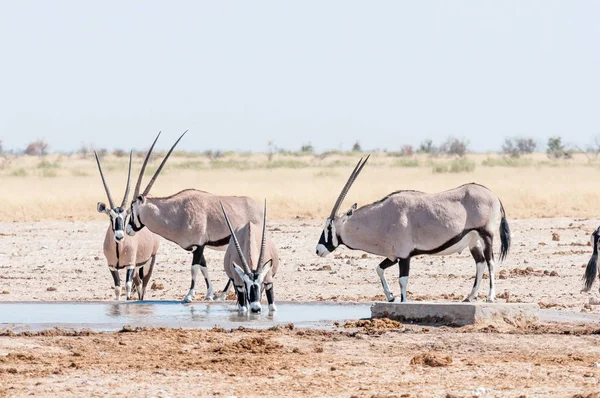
(237, 74)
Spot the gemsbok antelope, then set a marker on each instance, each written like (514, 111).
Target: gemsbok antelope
(122, 251)
(257, 272)
(592, 267)
(405, 224)
(192, 219)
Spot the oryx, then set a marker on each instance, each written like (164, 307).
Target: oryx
(190, 218)
(405, 224)
(592, 267)
(256, 272)
(123, 251)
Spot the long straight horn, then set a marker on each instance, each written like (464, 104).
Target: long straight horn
(128, 182)
(346, 188)
(110, 201)
(263, 242)
(236, 243)
(138, 185)
(147, 190)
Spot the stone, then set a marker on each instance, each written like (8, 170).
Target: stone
(458, 314)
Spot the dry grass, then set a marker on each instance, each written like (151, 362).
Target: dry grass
(63, 187)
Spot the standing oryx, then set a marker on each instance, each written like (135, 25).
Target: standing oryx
(124, 251)
(405, 224)
(258, 271)
(190, 218)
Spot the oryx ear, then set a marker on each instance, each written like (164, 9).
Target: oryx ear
(239, 271)
(101, 208)
(265, 269)
(351, 211)
(140, 200)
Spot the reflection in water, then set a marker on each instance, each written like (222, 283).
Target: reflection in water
(121, 310)
(113, 315)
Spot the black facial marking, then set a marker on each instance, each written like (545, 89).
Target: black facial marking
(329, 244)
(118, 224)
(254, 295)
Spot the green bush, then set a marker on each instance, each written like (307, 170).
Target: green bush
(507, 162)
(460, 165)
(19, 173)
(407, 162)
(44, 164)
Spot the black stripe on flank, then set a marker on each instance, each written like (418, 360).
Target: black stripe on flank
(220, 242)
(445, 246)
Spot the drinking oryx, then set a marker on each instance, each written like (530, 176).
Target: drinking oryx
(123, 251)
(258, 271)
(405, 224)
(190, 218)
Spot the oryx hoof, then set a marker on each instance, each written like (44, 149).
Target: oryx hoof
(490, 300)
(391, 299)
(272, 307)
(221, 297)
(208, 298)
(470, 300)
(242, 309)
(187, 299)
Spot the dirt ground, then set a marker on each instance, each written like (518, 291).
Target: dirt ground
(402, 362)
(63, 261)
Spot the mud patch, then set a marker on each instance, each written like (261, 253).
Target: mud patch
(374, 324)
(431, 359)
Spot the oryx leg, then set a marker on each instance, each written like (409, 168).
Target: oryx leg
(488, 253)
(241, 298)
(404, 264)
(146, 274)
(115, 274)
(385, 264)
(223, 294)
(477, 253)
(137, 283)
(199, 263)
(129, 280)
(270, 296)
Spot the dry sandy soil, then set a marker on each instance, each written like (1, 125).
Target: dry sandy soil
(64, 261)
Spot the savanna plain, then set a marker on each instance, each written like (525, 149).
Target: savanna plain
(51, 250)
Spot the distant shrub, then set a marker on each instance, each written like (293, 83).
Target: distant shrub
(454, 146)
(21, 172)
(326, 173)
(407, 162)
(230, 164)
(356, 147)
(189, 164)
(83, 151)
(287, 164)
(48, 173)
(507, 162)
(307, 148)
(427, 147)
(37, 148)
(79, 173)
(557, 150)
(461, 165)
(517, 146)
(119, 153)
(44, 164)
